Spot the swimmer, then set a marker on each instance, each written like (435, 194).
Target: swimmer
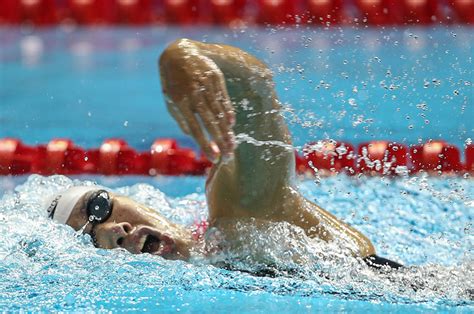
(219, 95)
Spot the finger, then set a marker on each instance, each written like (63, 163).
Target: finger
(228, 122)
(223, 97)
(214, 101)
(176, 114)
(212, 128)
(223, 106)
(197, 132)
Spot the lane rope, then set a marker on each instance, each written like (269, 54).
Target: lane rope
(166, 157)
(236, 12)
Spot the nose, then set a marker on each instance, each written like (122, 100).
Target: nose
(118, 232)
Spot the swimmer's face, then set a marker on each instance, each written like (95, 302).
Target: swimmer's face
(134, 227)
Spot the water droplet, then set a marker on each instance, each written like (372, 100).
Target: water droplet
(352, 102)
(422, 106)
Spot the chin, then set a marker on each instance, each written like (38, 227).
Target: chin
(181, 253)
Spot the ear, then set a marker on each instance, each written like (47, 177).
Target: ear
(83, 210)
(81, 206)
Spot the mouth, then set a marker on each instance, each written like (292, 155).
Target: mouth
(151, 245)
(161, 245)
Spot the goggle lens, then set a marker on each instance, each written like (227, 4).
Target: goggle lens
(99, 207)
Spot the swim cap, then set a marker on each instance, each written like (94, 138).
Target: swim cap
(60, 206)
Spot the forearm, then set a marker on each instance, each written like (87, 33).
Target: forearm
(264, 157)
(319, 223)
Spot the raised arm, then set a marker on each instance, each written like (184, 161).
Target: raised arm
(197, 98)
(206, 86)
(228, 93)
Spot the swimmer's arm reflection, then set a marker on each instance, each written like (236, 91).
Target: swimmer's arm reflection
(228, 92)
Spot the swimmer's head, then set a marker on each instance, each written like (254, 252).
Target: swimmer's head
(117, 221)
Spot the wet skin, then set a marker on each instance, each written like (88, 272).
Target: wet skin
(134, 227)
(216, 94)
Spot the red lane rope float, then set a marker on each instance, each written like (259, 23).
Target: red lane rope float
(464, 9)
(379, 12)
(419, 11)
(324, 11)
(38, 12)
(327, 156)
(180, 12)
(469, 166)
(382, 157)
(135, 12)
(227, 12)
(115, 157)
(436, 156)
(234, 12)
(276, 11)
(90, 11)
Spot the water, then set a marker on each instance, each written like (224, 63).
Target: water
(405, 84)
(46, 267)
(356, 85)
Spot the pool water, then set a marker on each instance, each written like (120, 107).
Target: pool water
(418, 221)
(356, 85)
(407, 85)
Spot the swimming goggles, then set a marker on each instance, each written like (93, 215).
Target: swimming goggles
(99, 207)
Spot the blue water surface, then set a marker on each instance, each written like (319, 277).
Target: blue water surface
(425, 223)
(404, 84)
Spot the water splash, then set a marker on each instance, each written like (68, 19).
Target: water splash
(44, 266)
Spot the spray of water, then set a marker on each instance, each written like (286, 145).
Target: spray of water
(432, 235)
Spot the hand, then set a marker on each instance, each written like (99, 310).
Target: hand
(197, 98)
